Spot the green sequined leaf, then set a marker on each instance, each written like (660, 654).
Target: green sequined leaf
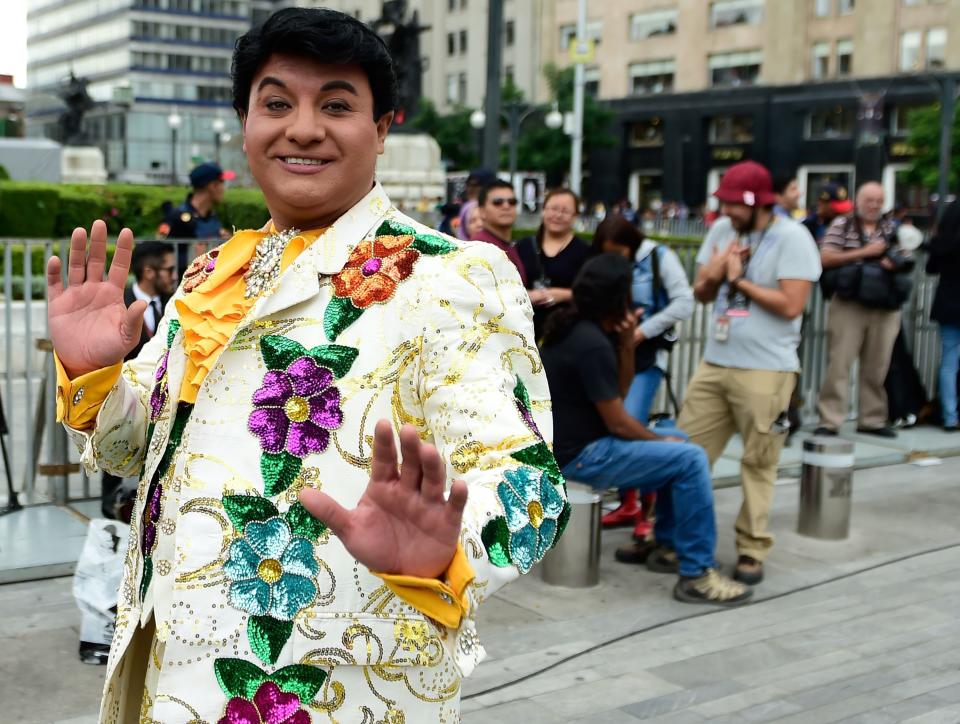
(278, 352)
(303, 524)
(267, 637)
(172, 331)
(540, 457)
(176, 435)
(279, 471)
(520, 392)
(300, 679)
(496, 539)
(146, 577)
(395, 228)
(335, 357)
(241, 509)
(239, 678)
(432, 245)
(339, 314)
(562, 521)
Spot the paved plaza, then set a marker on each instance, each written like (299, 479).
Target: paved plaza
(877, 646)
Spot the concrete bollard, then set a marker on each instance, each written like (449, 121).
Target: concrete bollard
(575, 561)
(826, 484)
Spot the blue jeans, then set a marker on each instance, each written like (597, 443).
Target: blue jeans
(643, 389)
(949, 364)
(680, 475)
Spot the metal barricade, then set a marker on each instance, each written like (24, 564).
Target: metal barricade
(826, 486)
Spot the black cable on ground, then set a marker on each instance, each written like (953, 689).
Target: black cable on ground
(701, 614)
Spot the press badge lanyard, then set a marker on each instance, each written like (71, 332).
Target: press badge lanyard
(738, 305)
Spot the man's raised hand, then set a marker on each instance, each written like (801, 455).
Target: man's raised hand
(90, 325)
(403, 524)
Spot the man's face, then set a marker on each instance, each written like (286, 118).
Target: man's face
(310, 138)
(164, 276)
(741, 216)
(824, 211)
(790, 198)
(216, 191)
(870, 202)
(500, 208)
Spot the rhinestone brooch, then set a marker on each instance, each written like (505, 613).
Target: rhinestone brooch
(265, 265)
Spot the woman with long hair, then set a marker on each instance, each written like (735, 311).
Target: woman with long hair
(553, 256)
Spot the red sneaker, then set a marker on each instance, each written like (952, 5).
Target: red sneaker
(625, 515)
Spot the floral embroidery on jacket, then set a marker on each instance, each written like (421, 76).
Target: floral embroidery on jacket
(257, 697)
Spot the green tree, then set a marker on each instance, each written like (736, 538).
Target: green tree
(457, 138)
(924, 139)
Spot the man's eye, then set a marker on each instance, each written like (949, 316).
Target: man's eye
(277, 105)
(337, 107)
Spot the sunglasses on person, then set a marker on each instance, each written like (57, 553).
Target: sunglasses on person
(500, 201)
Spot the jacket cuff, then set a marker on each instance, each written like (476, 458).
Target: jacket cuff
(442, 600)
(79, 400)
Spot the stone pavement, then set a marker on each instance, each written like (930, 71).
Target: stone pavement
(879, 646)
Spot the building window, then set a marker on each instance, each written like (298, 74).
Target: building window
(508, 76)
(847, 6)
(735, 12)
(591, 82)
(651, 77)
(453, 89)
(936, 48)
(844, 57)
(912, 2)
(649, 25)
(568, 33)
(509, 33)
(830, 123)
(820, 61)
(730, 129)
(823, 8)
(900, 120)
(735, 69)
(910, 50)
(463, 42)
(451, 44)
(647, 133)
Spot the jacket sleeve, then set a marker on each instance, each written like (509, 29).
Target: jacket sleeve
(486, 406)
(117, 441)
(679, 292)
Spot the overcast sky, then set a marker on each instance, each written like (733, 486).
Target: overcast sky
(13, 40)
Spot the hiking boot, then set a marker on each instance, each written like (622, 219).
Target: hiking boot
(636, 552)
(825, 432)
(713, 588)
(663, 560)
(749, 570)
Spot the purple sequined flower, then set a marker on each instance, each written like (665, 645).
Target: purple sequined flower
(158, 398)
(269, 706)
(296, 408)
(151, 515)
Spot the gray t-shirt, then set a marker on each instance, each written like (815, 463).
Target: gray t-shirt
(761, 340)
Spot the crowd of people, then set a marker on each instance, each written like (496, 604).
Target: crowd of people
(606, 315)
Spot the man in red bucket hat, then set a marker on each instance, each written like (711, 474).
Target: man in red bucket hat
(758, 268)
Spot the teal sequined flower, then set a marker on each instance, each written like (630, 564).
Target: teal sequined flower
(272, 570)
(532, 505)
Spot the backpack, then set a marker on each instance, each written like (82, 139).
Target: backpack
(649, 267)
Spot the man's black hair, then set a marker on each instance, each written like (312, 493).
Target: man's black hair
(601, 292)
(497, 184)
(148, 253)
(781, 181)
(323, 35)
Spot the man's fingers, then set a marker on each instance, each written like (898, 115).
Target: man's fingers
(457, 502)
(97, 256)
(411, 471)
(54, 280)
(77, 264)
(120, 266)
(327, 510)
(434, 481)
(383, 466)
(133, 321)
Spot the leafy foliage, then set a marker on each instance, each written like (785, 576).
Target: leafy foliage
(924, 138)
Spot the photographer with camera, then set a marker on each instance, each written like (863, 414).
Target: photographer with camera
(866, 278)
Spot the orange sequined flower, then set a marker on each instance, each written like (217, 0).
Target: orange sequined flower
(374, 269)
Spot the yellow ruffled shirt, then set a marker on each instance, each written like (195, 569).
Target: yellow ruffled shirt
(208, 315)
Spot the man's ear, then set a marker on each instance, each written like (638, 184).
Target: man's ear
(383, 126)
(243, 130)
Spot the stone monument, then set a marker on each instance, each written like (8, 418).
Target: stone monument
(80, 162)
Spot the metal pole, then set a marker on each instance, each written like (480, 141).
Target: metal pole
(173, 156)
(216, 147)
(576, 145)
(948, 102)
(513, 118)
(491, 132)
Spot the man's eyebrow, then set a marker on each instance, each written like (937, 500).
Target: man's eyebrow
(270, 80)
(328, 86)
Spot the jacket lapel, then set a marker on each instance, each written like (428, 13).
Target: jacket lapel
(326, 256)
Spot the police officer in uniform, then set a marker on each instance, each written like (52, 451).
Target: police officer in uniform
(195, 217)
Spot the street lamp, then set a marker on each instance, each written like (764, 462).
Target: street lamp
(515, 113)
(174, 121)
(219, 126)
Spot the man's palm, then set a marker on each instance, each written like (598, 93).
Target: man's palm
(90, 325)
(402, 524)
